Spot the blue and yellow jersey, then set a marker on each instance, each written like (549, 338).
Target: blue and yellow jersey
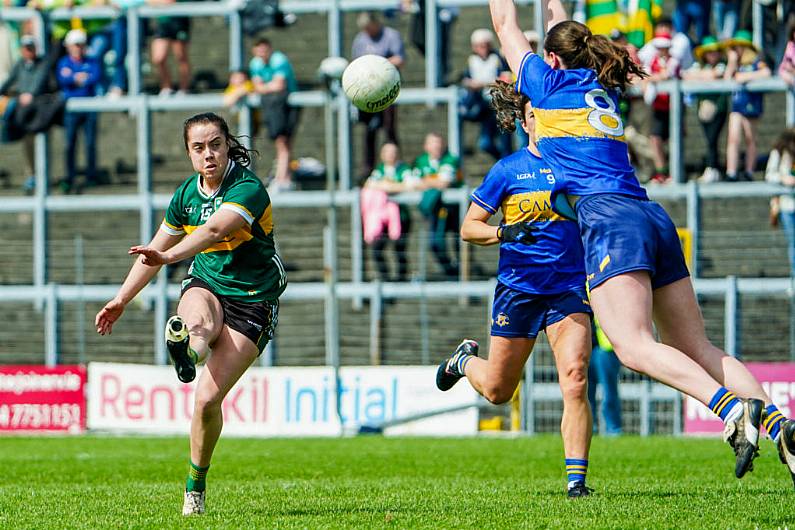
(578, 129)
(521, 185)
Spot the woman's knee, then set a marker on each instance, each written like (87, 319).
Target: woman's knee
(574, 380)
(632, 355)
(207, 404)
(498, 392)
(200, 325)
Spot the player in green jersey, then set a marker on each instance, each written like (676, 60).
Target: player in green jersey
(221, 216)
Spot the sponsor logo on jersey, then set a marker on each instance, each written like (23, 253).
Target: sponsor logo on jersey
(544, 170)
(523, 176)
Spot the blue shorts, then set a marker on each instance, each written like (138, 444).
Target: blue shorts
(517, 314)
(622, 234)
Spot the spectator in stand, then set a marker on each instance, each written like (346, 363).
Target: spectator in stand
(693, 13)
(776, 18)
(118, 43)
(117, 33)
(744, 64)
(274, 80)
(392, 176)
(713, 109)
(100, 39)
(78, 76)
(171, 33)
(446, 17)
(377, 39)
(661, 68)
(680, 50)
(240, 86)
(780, 166)
(786, 70)
(98, 30)
(18, 29)
(726, 15)
(27, 79)
(438, 169)
(484, 66)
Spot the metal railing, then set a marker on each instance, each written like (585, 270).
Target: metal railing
(677, 89)
(146, 202)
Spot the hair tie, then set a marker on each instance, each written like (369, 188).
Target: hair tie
(585, 40)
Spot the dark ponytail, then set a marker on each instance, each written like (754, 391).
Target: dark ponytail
(237, 151)
(508, 105)
(577, 47)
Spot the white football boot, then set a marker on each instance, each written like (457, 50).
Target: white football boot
(194, 503)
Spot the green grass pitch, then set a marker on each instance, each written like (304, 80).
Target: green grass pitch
(375, 482)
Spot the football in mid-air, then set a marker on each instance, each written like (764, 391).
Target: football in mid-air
(371, 82)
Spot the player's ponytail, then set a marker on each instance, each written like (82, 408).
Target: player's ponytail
(508, 105)
(237, 151)
(577, 47)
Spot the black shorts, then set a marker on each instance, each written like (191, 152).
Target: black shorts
(173, 28)
(661, 123)
(278, 115)
(256, 320)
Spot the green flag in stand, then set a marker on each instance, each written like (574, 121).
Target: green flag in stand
(603, 16)
(640, 20)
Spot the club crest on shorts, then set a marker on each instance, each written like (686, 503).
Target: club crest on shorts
(502, 320)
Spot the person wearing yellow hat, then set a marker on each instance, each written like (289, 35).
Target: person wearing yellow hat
(713, 109)
(744, 64)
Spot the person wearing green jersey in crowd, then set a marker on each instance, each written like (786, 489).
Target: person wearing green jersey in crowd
(439, 169)
(393, 176)
(221, 216)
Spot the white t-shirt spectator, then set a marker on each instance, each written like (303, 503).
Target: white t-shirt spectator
(484, 70)
(779, 171)
(680, 52)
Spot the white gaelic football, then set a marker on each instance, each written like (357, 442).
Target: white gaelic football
(371, 82)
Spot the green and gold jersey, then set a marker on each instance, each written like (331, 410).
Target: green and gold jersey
(447, 169)
(400, 173)
(244, 265)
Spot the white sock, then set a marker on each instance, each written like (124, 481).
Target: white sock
(735, 412)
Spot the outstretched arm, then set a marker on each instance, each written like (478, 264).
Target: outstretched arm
(220, 225)
(506, 25)
(140, 274)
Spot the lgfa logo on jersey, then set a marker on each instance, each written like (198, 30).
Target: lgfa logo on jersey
(523, 176)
